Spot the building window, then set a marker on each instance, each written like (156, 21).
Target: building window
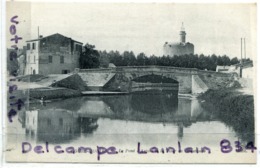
(62, 59)
(33, 46)
(78, 48)
(50, 59)
(28, 46)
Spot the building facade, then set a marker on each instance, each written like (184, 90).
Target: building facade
(248, 70)
(54, 54)
(178, 48)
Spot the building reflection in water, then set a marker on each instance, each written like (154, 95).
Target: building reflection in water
(57, 125)
(63, 121)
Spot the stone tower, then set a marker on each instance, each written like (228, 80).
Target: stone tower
(182, 34)
(178, 48)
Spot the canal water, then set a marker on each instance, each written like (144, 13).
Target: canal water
(148, 117)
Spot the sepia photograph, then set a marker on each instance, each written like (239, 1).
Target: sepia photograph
(130, 82)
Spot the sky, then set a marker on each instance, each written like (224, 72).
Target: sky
(145, 27)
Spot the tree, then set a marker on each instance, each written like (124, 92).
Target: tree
(89, 58)
(234, 61)
(153, 60)
(141, 59)
(165, 61)
(129, 58)
(115, 58)
(225, 60)
(214, 62)
(209, 62)
(202, 62)
(220, 61)
(104, 59)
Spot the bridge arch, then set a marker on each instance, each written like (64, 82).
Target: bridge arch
(124, 78)
(151, 81)
(183, 79)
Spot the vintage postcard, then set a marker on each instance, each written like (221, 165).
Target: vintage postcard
(130, 82)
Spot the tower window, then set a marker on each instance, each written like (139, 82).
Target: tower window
(50, 59)
(62, 59)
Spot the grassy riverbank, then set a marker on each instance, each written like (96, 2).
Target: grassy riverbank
(53, 93)
(233, 108)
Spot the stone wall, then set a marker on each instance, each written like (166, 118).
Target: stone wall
(178, 49)
(198, 86)
(246, 83)
(216, 81)
(74, 82)
(120, 82)
(53, 93)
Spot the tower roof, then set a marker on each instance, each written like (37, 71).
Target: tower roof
(182, 27)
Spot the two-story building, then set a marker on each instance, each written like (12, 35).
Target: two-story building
(54, 54)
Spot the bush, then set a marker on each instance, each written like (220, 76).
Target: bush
(232, 108)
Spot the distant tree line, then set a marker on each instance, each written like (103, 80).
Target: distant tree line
(128, 58)
(91, 58)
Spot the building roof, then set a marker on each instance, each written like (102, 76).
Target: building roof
(223, 66)
(53, 35)
(244, 64)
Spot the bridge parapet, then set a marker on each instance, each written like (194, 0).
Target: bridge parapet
(216, 74)
(161, 69)
(154, 66)
(141, 68)
(98, 70)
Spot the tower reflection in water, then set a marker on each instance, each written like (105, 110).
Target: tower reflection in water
(63, 121)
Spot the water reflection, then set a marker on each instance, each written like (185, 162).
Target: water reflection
(56, 125)
(67, 120)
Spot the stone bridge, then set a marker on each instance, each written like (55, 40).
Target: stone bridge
(190, 80)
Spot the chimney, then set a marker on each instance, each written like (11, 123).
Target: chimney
(241, 61)
(38, 32)
(245, 47)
